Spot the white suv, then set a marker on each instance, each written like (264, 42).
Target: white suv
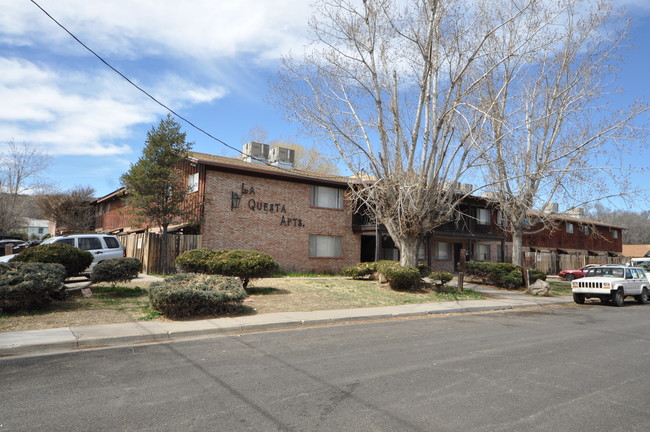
(102, 246)
(612, 283)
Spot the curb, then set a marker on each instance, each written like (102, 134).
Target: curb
(58, 340)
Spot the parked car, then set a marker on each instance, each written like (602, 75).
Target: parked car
(15, 244)
(570, 275)
(612, 283)
(102, 246)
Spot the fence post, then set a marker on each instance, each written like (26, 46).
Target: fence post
(461, 273)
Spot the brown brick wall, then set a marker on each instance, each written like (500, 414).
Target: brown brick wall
(263, 230)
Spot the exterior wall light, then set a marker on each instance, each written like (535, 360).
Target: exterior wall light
(234, 201)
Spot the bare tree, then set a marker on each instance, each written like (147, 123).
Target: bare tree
(637, 223)
(389, 84)
(550, 134)
(20, 167)
(71, 210)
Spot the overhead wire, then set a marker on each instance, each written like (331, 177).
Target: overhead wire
(150, 96)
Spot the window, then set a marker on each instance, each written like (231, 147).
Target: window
(111, 243)
(614, 234)
(41, 230)
(483, 252)
(422, 252)
(585, 229)
(327, 197)
(483, 216)
(89, 243)
(108, 207)
(569, 228)
(193, 183)
(321, 246)
(68, 241)
(442, 251)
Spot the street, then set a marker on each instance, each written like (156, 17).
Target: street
(572, 368)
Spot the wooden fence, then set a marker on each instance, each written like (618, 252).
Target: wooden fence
(147, 247)
(552, 263)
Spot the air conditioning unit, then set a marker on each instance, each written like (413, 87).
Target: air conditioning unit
(576, 212)
(551, 208)
(255, 152)
(282, 157)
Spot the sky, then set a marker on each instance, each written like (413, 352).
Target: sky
(209, 60)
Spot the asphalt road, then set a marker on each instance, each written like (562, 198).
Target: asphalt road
(554, 369)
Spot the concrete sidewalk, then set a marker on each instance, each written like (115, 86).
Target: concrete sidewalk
(35, 342)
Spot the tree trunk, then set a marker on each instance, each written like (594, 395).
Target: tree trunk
(163, 252)
(517, 245)
(408, 249)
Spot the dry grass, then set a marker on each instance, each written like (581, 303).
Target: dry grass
(129, 302)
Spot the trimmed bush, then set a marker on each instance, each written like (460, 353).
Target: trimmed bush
(360, 270)
(73, 259)
(187, 295)
(244, 264)
(535, 275)
(503, 275)
(442, 277)
(116, 270)
(26, 286)
(424, 269)
(401, 278)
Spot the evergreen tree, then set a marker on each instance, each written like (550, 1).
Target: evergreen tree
(155, 184)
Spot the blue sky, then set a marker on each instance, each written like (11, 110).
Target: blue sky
(210, 60)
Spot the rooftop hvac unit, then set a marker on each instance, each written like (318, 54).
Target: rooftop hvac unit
(282, 157)
(551, 208)
(576, 212)
(255, 152)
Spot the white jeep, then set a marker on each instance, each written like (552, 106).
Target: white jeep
(612, 283)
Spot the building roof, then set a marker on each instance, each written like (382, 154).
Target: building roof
(265, 169)
(636, 251)
(578, 220)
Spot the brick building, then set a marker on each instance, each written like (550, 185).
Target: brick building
(304, 221)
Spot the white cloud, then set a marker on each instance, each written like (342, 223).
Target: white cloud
(199, 29)
(78, 113)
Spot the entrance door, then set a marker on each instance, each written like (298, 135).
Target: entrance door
(368, 244)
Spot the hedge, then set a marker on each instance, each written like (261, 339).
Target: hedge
(73, 259)
(186, 295)
(360, 270)
(505, 275)
(116, 270)
(26, 286)
(244, 264)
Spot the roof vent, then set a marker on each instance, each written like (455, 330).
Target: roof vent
(282, 157)
(576, 212)
(255, 152)
(551, 208)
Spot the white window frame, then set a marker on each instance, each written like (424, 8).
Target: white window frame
(325, 246)
(615, 234)
(320, 197)
(483, 216)
(569, 227)
(193, 183)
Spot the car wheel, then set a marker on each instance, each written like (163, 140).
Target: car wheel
(569, 277)
(643, 297)
(579, 298)
(618, 297)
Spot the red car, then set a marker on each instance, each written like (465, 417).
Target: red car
(569, 275)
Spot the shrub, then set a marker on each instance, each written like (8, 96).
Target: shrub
(535, 275)
(73, 259)
(25, 286)
(187, 295)
(401, 278)
(442, 277)
(423, 269)
(360, 270)
(116, 270)
(244, 264)
(503, 275)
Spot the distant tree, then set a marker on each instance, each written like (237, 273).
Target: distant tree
(71, 209)
(156, 187)
(20, 167)
(637, 223)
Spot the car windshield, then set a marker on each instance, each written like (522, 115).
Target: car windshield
(616, 272)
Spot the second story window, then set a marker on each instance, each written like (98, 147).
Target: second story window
(193, 183)
(483, 216)
(569, 228)
(585, 230)
(327, 197)
(614, 234)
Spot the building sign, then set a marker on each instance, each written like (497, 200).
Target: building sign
(258, 205)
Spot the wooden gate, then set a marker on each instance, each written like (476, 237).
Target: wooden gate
(147, 247)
